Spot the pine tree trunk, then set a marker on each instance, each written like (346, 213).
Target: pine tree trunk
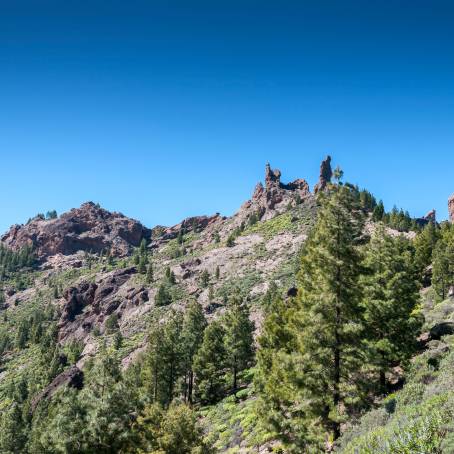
(191, 386)
(234, 379)
(155, 385)
(337, 355)
(337, 376)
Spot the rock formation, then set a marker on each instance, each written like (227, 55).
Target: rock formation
(88, 228)
(88, 305)
(72, 377)
(430, 217)
(451, 208)
(326, 174)
(273, 198)
(195, 224)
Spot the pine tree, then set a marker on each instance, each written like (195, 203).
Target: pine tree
(62, 427)
(218, 273)
(391, 295)
(142, 268)
(152, 371)
(239, 338)
(230, 240)
(379, 212)
(163, 297)
(175, 431)
(12, 430)
(143, 248)
(279, 394)
(443, 262)
(109, 404)
(170, 276)
(210, 364)
(149, 276)
(164, 363)
(180, 433)
(205, 278)
(194, 325)
(425, 243)
(330, 316)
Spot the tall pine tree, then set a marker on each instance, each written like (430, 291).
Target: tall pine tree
(194, 325)
(330, 315)
(391, 296)
(239, 339)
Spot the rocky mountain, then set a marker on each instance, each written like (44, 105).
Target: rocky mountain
(88, 228)
(100, 273)
(266, 235)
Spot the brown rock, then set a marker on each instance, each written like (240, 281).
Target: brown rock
(451, 208)
(89, 304)
(430, 217)
(73, 377)
(76, 299)
(275, 196)
(326, 174)
(194, 224)
(88, 228)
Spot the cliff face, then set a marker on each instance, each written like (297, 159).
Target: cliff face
(88, 228)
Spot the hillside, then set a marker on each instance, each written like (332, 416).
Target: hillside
(91, 285)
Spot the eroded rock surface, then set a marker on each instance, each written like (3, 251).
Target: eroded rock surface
(88, 228)
(275, 197)
(88, 305)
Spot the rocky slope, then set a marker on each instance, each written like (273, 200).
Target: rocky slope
(86, 290)
(265, 237)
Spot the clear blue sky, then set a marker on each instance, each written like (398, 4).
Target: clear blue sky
(165, 109)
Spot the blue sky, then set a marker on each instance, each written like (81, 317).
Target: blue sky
(165, 109)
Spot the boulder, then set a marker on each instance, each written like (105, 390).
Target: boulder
(72, 377)
(441, 329)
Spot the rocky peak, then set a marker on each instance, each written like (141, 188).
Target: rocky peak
(451, 208)
(272, 177)
(88, 228)
(275, 196)
(326, 174)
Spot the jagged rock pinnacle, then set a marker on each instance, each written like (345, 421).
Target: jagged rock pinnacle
(326, 174)
(272, 177)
